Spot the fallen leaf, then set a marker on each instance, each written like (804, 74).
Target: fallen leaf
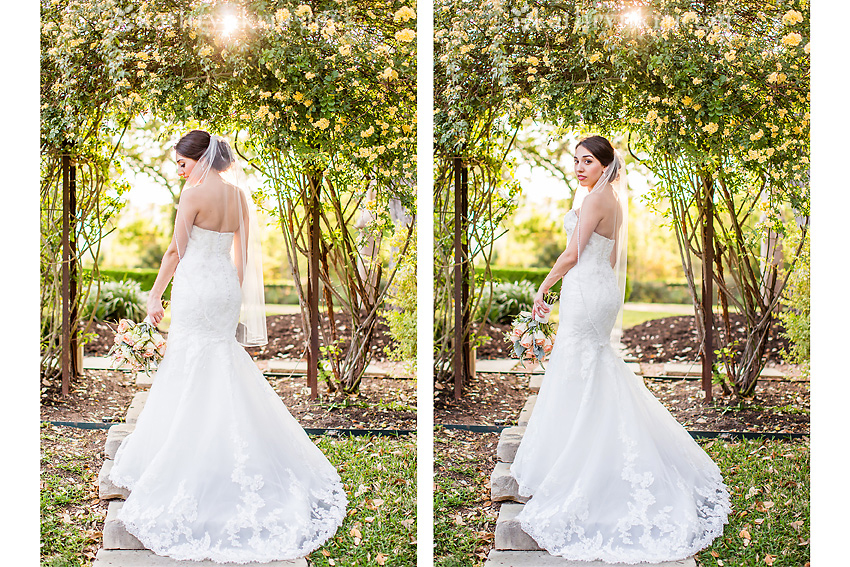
(714, 554)
(326, 553)
(380, 559)
(407, 523)
(769, 559)
(797, 525)
(745, 534)
(331, 562)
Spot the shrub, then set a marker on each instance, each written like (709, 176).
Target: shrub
(508, 300)
(795, 316)
(118, 300)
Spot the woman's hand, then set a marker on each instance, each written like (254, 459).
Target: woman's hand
(540, 309)
(155, 310)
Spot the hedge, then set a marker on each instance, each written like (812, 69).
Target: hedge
(640, 292)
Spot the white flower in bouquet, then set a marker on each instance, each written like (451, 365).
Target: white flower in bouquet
(547, 345)
(526, 341)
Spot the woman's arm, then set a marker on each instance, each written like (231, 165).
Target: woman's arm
(589, 218)
(186, 213)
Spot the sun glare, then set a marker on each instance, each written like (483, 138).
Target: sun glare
(229, 24)
(634, 18)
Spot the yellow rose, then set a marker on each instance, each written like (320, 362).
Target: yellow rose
(303, 10)
(792, 17)
(405, 35)
(297, 96)
(309, 76)
(282, 15)
(792, 39)
(322, 123)
(711, 127)
(689, 17)
(533, 61)
(403, 14)
(595, 57)
(687, 101)
(668, 23)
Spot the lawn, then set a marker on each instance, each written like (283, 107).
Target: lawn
(768, 483)
(378, 473)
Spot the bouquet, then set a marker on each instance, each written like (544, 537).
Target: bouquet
(137, 344)
(532, 337)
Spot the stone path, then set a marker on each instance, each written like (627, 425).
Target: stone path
(513, 547)
(120, 548)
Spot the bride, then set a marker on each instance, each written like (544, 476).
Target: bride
(217, 467)
(612, 476)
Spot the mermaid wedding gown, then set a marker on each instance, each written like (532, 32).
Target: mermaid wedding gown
(611, 474)
(217, 467)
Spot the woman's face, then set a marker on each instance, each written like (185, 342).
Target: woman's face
(588, 169)
(185, 166)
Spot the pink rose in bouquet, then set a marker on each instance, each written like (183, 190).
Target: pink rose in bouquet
(137, 344)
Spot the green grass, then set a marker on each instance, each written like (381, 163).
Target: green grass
(769, 485)
(460, 519)
(632, 318)
(69, 525)
(379, 476)
(768, 482)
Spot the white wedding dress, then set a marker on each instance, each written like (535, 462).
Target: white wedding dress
(217, 467)
(611, 474)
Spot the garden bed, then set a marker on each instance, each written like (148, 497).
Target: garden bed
(488, 399)
(383, 403)
(286, 338)
(670, 339)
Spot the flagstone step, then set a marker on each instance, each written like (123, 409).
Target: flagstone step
(115, 535)
(509, 533)
(495, 365)
(106, 489)
(145, 558)
(695, 369)
(535, 382)
(144, 380)
(503, 486)
(498, 558)
(509, 442)
(115, 436)
(634, 367)
(525, 413)
(103, 363)
(300, 366)
(136, 406)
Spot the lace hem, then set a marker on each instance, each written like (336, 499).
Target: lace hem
(261, 549)
(593, 548)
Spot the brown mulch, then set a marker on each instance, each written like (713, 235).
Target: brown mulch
(777, 407)
(383, 403)
(671, 339)
(96, 395)
(674, 339)
(489, 399)
(286, 337)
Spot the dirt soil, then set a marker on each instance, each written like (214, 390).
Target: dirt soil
(673, 339)
(489, 399)
(383, 403)
(286, 338)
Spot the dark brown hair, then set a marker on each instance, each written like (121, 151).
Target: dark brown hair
(600, 147)
(195, 143)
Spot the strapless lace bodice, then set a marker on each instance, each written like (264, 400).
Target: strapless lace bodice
(590, 289)
(206, 296)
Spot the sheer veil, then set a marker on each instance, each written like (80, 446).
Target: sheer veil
(615, 175)
(218, 172)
